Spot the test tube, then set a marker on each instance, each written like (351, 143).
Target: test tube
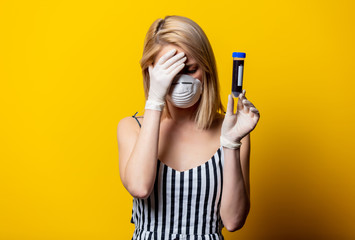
(238, 67)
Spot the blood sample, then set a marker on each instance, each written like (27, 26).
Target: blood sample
(238, 68)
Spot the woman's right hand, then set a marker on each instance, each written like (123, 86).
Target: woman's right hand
(163, 73)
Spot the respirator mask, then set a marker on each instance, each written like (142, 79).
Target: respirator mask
(184, 91)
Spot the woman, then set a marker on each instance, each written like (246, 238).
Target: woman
(177, 194)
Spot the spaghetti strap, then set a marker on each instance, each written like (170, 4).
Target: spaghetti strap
(134, 116)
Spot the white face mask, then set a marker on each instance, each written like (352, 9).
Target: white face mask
(184, 91)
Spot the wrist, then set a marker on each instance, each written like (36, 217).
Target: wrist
(230, 144)
(154, 105)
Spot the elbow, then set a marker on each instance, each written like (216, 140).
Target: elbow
(137, 189)
(236, 225)
(238, 222)
(139, 192)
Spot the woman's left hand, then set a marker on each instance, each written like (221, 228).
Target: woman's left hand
(237, 126)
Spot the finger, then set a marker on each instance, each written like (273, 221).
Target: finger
(247, 103)
(242, 95)
(230, 105)
(245, 106)
(251, 113)
(240, 104)
(177, 70)
(173, 60)
(178, 63)
(166, 56)
(255, 112)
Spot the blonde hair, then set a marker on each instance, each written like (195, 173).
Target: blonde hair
(188, 35)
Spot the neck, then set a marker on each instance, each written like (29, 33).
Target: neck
(183, 116)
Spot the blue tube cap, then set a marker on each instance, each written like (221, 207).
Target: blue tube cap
(239, 54)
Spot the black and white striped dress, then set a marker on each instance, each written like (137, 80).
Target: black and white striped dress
(182, 205)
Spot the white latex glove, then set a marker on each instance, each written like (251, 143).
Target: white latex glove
(161, 77)
(236, 126)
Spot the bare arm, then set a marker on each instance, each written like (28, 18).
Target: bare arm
(138, 153)
(235, 203)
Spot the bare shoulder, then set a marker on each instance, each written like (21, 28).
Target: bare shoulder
(129, 124)
(127, 133)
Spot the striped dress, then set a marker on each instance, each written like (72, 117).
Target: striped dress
(182, 205)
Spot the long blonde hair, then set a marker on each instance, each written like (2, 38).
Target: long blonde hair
(188, 35)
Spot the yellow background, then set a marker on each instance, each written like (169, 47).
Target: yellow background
(69, 71)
